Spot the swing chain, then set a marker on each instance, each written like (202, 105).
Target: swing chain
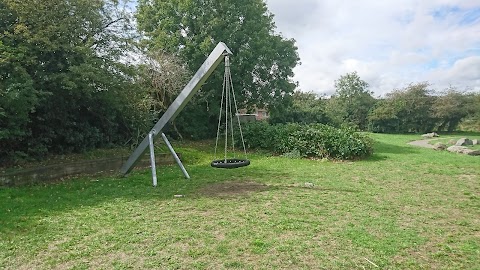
(228, 94)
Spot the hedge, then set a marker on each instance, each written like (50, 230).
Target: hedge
(313, 141)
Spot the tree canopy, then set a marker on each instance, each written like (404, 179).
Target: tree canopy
(351, 102)
(451, 107)
(306, 108)
(63, 86)
(406, 110)
(262, 62)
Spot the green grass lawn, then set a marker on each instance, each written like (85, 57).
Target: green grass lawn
(404, 208)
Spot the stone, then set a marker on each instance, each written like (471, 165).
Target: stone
(439, 146)
(430, 135)
(474, 141)
(452, 142)
(464, 141)
(463, 150)
(472, 152)
(457, 149)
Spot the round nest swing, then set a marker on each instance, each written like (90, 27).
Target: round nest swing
(230, 163)
(227, 95)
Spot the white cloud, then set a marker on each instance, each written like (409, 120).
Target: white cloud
(465, 69)
(389, 43)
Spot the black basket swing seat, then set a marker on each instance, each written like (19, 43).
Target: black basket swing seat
(230, 163)
(228, 105)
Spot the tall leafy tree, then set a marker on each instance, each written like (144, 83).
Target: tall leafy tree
(61, 72)
(262, 62)
(352, 101)
(18, 97)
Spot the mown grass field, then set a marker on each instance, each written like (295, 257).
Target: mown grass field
(404, 208)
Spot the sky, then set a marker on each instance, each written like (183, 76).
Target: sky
(390, 43)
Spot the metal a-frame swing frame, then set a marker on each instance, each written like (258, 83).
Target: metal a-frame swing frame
(202, 74)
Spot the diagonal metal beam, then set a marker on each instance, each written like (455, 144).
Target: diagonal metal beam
(202, 74)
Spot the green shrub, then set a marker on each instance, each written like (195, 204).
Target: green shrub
(315, 140)
(328, 142)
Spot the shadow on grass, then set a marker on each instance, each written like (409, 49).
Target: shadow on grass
(383, 151)
(23, 208)
(385, 148)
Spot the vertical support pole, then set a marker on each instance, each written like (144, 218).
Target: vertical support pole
(152, 158)
(175, 156)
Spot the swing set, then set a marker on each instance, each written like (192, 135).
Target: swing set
(227, 96)
(225, 120)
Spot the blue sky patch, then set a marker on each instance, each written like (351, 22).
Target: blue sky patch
(471, 16)
(443, 12)
(462, 16)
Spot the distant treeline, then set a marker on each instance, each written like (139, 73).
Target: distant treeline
(416, 108)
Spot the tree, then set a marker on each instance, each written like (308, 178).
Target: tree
(352, 101)
(163, 76)
(18, 98)
(450, 108)
(306, 108)
(62, 75)
(261, 65)
(405, 110)
(472, 120)
(384, 117)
